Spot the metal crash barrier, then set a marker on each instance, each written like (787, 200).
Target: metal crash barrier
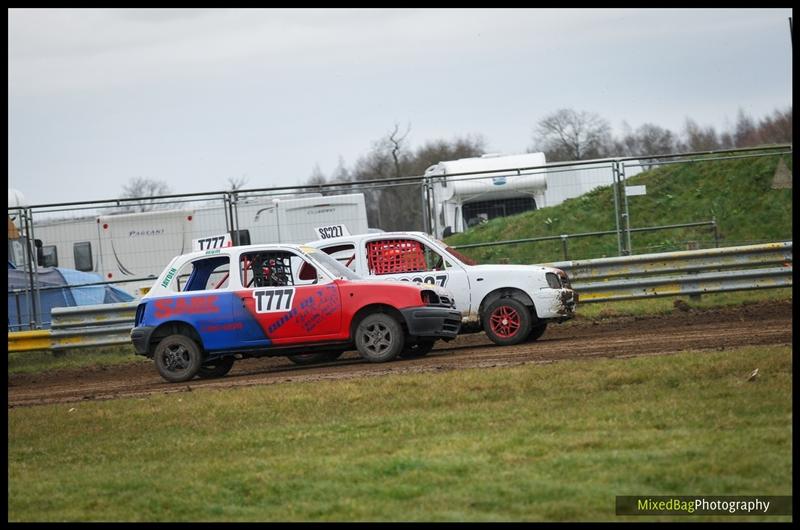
(688, 272)
(79, 327)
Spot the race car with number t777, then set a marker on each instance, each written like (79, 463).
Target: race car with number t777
(511, 303)
(211, 307)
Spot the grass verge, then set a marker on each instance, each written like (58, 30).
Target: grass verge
(43, 361)
(666, 305)
(535, 442)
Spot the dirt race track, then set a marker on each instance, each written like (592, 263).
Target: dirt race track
(768, 323)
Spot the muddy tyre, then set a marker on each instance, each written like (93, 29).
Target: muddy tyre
(507, 321)
(379, 338)
(314, 358)
(537, 331)
(178, 358)
(419, 349)
(216, 368)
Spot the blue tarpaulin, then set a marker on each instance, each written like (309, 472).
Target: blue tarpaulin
(64, 294)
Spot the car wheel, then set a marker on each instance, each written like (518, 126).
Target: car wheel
(419, 349)
(313, 358)
(507, 321)
(537, 331)
(177, 358)
(379, 338)
(216, 368)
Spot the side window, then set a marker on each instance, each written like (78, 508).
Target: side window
(82, 253)
(205, 274)
(49, 256)
(303, 272)
(270, 269)
(393, 256)
(346, 254)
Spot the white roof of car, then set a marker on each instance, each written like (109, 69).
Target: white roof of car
(246, 248)
(359, 237)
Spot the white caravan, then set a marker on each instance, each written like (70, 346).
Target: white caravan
(505, 188)
(137, 245)
(508, 185)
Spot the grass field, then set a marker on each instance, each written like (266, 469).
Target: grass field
(535, 442)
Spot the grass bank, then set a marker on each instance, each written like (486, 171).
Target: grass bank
(537, 442)
(738, 193)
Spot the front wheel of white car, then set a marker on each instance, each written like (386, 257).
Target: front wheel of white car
(507, 321)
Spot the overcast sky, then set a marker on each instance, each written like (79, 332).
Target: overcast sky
(193, 97)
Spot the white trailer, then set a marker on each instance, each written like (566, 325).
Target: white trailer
(137, 245)
(567, 182)
(508, 185)
(461, 201)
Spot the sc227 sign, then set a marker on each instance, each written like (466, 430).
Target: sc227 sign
(331, 231)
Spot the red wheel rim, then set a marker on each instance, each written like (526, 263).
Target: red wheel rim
(504, 321)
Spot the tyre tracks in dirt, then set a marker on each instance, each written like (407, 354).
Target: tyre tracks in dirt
(766, 323)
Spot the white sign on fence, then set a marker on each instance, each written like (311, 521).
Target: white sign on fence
(635, 190)
(206, 243)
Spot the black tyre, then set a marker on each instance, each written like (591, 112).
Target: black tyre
(216, 368)
(178, 358)
(419, 349)
(379, 338)
(507, 321)
(313, 358)
(537, 331)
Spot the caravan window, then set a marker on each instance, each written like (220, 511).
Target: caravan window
(49, 256)
(82, 253)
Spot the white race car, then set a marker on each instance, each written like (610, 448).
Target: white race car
(511, 303)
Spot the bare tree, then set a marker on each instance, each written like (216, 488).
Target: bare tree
(571, 135)
(746, 133)
(236, 183)
(648, 139)
(776, 129)
(147, 190)
(699, 138)
(400, 207)
(395, 141)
